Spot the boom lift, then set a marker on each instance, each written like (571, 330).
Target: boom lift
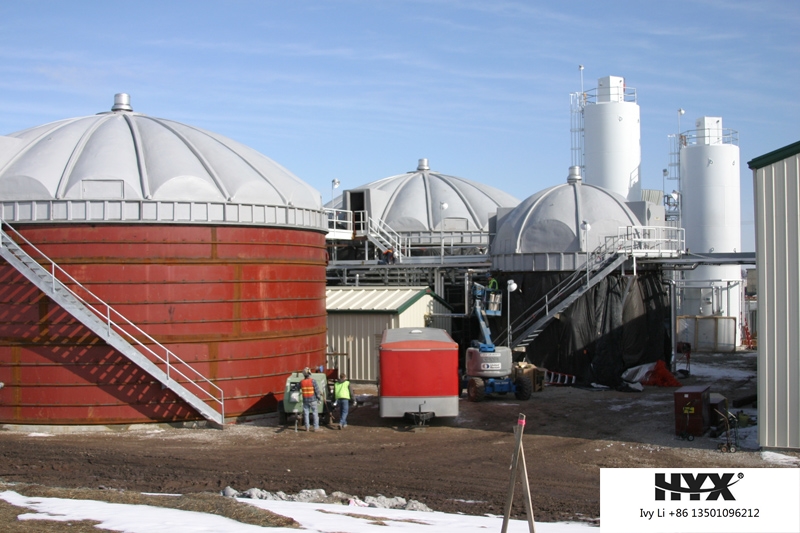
(489, 368)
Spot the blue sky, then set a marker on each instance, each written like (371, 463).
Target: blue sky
(359, 90)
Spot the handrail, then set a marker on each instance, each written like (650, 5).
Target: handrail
(339, 220)
(107, 317)
(647, 240)
(364, 224)
(550, 299)
(630, 241)
(566, 286)
(384, 230)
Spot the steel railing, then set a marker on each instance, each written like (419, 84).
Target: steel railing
(103, 311)
(648, 241)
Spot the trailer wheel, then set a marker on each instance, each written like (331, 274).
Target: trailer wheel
(476, 390)
(281, 414)
(524, 388)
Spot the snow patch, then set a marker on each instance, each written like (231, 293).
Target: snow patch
(780, 459)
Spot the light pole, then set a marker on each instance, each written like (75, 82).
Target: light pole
(585, 226)
(334, 185)
(511, 286)
(442, 208)
(681, 111)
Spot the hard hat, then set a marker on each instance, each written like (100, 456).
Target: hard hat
(306, 372)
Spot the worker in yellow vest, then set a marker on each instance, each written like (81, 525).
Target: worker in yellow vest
(311, 396)
(343, 395)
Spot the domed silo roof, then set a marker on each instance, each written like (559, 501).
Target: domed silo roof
(545, 231)
(123, 155)
(414, 201)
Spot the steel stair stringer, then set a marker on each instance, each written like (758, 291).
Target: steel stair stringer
(107, 329)
(533, 331)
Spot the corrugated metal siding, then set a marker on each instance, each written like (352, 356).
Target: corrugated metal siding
(420, 314)
(777, 210)
(360, 355)
(360, 359)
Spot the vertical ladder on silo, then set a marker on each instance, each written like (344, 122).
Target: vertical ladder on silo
(103, 320)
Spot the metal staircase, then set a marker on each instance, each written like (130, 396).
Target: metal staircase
(116, 330)
(541, 313)
(382, 236)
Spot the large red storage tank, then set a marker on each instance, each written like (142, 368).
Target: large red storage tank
(418, 372)
(211, 248)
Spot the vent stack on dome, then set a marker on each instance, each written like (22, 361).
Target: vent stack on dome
(122, 102)
(574, 175)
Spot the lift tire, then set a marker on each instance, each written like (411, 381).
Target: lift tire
(476, 390)
(524, 388)
(281, 414)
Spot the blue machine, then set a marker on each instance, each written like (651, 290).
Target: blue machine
(489, 368)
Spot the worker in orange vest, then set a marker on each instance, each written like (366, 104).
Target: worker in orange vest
(311, 396)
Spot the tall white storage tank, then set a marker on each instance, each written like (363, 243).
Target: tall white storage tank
(710, 213)
(612, 139)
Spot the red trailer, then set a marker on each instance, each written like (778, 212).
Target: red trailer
(418, 374)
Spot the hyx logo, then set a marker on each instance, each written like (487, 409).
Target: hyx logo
(695, 485)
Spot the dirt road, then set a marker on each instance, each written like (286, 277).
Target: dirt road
(456, 466)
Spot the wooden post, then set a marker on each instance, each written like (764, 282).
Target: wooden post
(519, 452)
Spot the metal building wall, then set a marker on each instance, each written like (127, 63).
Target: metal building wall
(426, 312)
(776, 184)
(355, 337)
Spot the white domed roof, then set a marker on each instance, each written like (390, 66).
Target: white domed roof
(122, 155)
(549, 222)
(425, 200)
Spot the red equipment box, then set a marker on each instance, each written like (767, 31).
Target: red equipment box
(692, 406)
(418, 372)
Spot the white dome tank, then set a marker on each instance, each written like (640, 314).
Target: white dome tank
(425, 200)
(544, 233)
(612, 139)
(134, 167)
(711, 215)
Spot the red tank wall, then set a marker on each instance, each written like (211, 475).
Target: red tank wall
(244, 305)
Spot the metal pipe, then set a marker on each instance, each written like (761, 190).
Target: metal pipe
(673, 325)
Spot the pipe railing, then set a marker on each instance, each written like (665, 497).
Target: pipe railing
(541, 307)
(105, 312)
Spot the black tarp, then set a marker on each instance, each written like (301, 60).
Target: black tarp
(606, 331)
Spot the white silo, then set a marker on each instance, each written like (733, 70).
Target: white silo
(612, 138)
(711, 216)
